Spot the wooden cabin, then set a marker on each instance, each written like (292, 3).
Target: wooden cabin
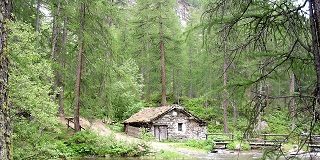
(167, 122)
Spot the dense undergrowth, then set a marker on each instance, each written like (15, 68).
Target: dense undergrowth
(32, 142)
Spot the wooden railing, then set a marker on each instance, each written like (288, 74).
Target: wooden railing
(264, 140)
(230, 135)
(71, 119)
(313, 141)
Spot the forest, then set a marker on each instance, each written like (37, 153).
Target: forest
(245, 67)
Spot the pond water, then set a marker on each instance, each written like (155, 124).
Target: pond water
(252, 155)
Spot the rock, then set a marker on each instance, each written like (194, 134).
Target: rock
(261, 126)
(238, 147)
(223, 151)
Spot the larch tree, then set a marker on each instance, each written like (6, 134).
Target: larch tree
(77, 126)
(280, 21)
(225, 94)
(162, 60)
(58, 45)
(5, 126)
(157, 18)
(37, 24)
(292, 106)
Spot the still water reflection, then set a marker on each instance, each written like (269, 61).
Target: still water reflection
(220, 156)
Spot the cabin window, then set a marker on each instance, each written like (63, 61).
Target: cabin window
(179, 126)
(174, 113)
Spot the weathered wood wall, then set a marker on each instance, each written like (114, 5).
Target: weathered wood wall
(133, 131)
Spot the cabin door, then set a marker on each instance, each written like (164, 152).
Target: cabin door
(161, 132)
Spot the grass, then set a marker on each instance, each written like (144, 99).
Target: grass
(117, 127)
(184, 145)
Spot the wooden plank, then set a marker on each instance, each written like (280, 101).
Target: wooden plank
(220, 134)
(308, 135)
(276, 141)
(221, 143)
(222, 140)
(314, 146)
(275, 135)
(263, 144)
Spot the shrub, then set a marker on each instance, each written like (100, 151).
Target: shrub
(146, 135)
(117, 127)
(127, 150)
(238, 145)
(200, 144)
(85, 143)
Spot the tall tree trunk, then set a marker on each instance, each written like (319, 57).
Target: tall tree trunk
(225, 96)
(38, 15)
(58, 45)
(146, 71)
(314, 10)
(235, 113)
(225, 81)
(163, 66)
(190, 74)
(292, 101)
(5, 127)
(55, 31)
(173, 85)
(79, 69)
(62, 63)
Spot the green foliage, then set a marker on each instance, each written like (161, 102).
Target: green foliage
(33, 141)
(85, 143)
(200, 144)
(278, 122)
(30, 76)
(238, 145)
(36, 133)
(121, 70)
(197, 107)
(210, 113)
(146, 135)
(117, 127)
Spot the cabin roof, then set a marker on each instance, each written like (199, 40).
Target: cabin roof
(150, 114)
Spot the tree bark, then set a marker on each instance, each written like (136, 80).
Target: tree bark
(173, 85)
(235, 113)
(292, 101)
(62, 63)
(190, 74)
(163, 66)
(5, 127)
(55, 31)
(225, 92)
(38, 16)
(225, 97)
(79, 69)
(58, 45)
(314, 9)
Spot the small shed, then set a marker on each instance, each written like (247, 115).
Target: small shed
(166, 122)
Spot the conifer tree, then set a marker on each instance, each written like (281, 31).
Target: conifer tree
(5, 124)
(156, 29)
